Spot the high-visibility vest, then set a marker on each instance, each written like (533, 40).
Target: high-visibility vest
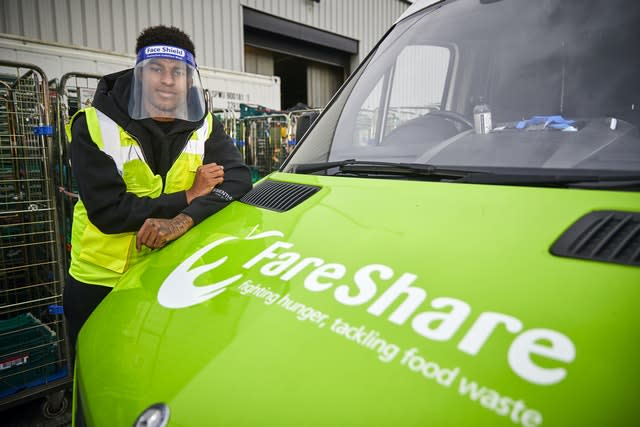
(100, 258)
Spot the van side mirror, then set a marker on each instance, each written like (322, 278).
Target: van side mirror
(304, 123)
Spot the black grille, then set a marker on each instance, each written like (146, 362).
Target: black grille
(608, 236)
(278, 196)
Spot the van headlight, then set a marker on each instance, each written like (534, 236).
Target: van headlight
(156, 415)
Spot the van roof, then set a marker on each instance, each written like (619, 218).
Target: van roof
(415, 7)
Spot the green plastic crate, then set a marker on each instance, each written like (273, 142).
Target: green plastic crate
(28, 352)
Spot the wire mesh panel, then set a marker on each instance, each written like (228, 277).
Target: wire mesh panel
(32, 335)
(263, 136)
(266, 142)
(232, 126)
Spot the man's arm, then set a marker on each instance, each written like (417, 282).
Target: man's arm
(220, 149)
(102, 190)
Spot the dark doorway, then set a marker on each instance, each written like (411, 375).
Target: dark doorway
(293, 79)
(310, 62)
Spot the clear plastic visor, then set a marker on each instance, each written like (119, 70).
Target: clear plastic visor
(164, 88)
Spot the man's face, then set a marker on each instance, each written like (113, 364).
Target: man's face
(165, 84)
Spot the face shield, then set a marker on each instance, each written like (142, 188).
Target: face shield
(166, 85)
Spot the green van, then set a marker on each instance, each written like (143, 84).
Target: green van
(455, 242)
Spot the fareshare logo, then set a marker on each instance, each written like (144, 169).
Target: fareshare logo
(536, 354)
(178, 289)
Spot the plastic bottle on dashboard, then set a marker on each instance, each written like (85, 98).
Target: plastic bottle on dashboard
(482, 117)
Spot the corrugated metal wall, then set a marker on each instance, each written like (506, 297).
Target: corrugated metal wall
(215, 25)
(322, 82)
(258, 61)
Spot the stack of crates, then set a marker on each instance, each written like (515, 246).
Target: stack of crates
(32, 345)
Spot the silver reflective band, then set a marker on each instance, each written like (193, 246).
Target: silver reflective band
(156, 415)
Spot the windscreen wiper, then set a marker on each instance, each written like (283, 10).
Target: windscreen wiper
(618, 179)
(478, 175)
(387, 168)
(317, 167)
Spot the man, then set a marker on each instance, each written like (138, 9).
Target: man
(150, 162)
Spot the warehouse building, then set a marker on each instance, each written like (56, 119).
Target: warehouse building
(276, 53)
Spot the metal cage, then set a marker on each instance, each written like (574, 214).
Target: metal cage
(266, 140)
(33, 346)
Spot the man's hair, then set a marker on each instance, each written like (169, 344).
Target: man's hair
(161, 34)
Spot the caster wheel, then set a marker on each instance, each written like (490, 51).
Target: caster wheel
(54, 405)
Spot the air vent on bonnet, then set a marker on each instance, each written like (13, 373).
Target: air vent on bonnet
(278, 196)
(607, 236)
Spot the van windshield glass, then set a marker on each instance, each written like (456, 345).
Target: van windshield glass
(545, 84)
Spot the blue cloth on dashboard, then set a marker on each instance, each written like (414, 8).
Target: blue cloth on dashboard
(553, 122)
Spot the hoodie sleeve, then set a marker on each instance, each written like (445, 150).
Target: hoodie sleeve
(102, 190)
(219, 148)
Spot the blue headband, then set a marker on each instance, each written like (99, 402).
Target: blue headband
(166, 52)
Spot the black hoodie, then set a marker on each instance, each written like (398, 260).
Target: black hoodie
(109, 206)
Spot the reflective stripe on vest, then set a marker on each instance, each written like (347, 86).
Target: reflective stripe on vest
(122, 152)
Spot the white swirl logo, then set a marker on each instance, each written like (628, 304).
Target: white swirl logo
(179, 290)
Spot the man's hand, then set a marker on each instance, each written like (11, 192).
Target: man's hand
(208, 177)
(156, 232)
